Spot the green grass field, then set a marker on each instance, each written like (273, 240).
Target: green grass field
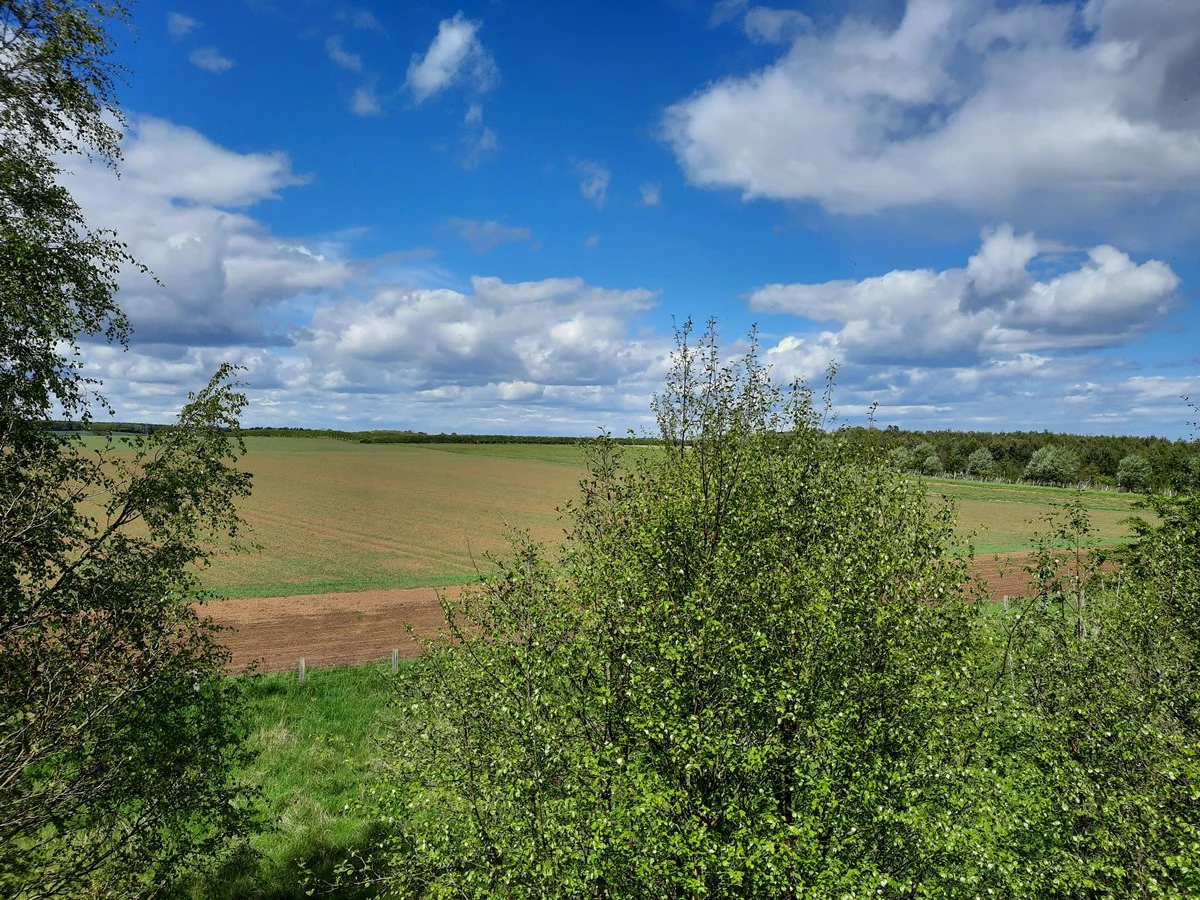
(316, 746)
(333, 515)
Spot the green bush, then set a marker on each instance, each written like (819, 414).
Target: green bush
(1134, 472)
(743, 676)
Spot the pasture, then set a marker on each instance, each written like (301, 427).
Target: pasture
(333, 516)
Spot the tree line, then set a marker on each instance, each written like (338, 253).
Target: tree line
(1135, 463)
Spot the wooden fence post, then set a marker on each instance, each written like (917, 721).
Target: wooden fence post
(395, 660)
(300, 671)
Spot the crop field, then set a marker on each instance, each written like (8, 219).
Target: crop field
(332, 516)
(1003, 518)
(354, 538)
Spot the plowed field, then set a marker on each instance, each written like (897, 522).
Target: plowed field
(361, 627)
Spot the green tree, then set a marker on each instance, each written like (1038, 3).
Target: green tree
(980, 462)
(1134, 472)
(742, 676)
(903, 458)
(1052, 464)
(1092, 722)
(119, 735)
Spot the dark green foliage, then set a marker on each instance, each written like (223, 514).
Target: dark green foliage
(1099, 455)
(741, 678)
(118, 734)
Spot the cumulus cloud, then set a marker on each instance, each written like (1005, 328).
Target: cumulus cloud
(179, 25)
(225, 278)
(651, 194)
(488, 235)
(181, 162)
(558, 351)
(455, 56)
(988, 107)
(989, 309)
(210, 60)
(328, 339)
(594, 178)
(340, 56)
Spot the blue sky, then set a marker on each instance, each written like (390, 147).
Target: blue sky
(485, 216)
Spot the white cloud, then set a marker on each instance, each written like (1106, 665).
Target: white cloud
(179, 25)
(551, 355)
(365, 102)
(226, 279)
(592, 242)
(211, 60)
(774, 26)
(487, 235)
(725, 11)
(480, 145)
(455, 56)
(340, 56)
(651, 194)
(594, 180)
(991, 308)
(188, 166)
(990, 107)
(330, 340)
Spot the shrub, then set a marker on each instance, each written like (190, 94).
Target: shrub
(741, 675)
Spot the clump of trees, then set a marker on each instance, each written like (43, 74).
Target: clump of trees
(757, 670)
(119, 735)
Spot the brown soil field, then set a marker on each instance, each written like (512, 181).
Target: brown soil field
(364, 626)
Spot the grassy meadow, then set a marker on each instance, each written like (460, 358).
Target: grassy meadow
(316, 746)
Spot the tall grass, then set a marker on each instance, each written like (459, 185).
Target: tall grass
(316, 754)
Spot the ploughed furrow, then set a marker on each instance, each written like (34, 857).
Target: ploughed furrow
(364, 626)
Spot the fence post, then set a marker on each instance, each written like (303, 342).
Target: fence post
(395, 660)
(300, 671)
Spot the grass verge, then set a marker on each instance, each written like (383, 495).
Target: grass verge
(316, 753)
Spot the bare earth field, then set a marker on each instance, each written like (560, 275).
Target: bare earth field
(362, 627)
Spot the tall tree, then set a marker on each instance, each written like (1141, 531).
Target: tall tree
(118, 734)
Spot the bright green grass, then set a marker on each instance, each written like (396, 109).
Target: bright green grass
(348, 585)
(316, 752)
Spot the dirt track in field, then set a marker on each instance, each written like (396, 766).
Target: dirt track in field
(331, 629)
